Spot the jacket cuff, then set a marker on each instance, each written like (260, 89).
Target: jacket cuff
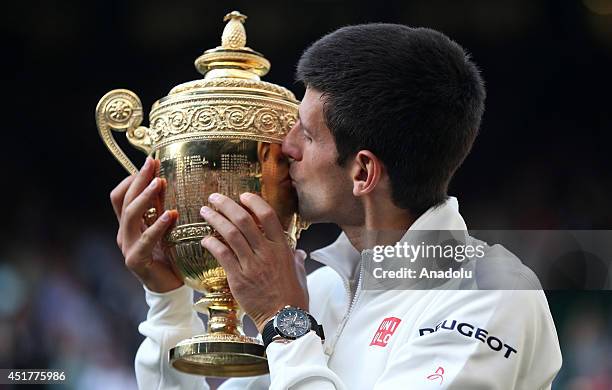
(170, 308)
(299, 361)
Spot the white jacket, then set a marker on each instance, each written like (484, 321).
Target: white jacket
(397, 339)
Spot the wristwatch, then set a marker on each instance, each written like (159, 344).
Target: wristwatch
(290, 323)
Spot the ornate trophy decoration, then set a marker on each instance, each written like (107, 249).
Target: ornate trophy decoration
(222, 133)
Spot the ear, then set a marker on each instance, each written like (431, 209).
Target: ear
(366, 172)
(262, 151)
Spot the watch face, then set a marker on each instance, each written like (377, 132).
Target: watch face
(292, 323)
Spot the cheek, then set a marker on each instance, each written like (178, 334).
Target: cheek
(332, 181)
(320, 157)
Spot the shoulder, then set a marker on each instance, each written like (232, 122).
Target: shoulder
(500, 269)
(514, 306)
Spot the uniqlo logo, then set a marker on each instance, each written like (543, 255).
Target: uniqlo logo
(385, 331)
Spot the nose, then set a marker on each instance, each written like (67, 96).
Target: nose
(291, 145)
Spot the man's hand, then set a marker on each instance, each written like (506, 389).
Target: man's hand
(141, 245)
(263, 272)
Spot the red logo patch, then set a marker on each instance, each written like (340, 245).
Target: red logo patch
(439, 374)
(385, 331)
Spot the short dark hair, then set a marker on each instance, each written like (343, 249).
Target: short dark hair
(409, 95)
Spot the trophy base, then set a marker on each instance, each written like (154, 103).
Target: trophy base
(220, 355)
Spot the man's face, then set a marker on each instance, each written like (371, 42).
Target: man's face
(323, 187)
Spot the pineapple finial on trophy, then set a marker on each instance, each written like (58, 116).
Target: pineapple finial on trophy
(233, 59)
(234, 35)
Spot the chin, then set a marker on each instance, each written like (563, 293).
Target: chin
(312, 214)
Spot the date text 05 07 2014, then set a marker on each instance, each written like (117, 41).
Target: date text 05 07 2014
(32, 376)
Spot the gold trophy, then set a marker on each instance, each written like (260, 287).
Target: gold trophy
(222, 133)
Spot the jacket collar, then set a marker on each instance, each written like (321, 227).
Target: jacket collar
(342, 256)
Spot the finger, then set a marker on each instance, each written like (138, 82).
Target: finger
(143, 247)
(223, 254)
(230, 233)
(162, 194)
(158, 202)
(140, 182)
(118, 193)
(132, 214)
(266, 215)
(159, 206)
(239, 217)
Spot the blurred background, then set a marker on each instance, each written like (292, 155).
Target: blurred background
(541, 160)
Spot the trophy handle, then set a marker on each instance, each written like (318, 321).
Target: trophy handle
(121, 110)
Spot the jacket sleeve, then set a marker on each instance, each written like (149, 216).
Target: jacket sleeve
(447, 359)
(301, 365)
(170, 319)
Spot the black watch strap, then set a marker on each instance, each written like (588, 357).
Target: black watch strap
(269, 332)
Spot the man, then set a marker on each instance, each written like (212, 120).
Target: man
(389, 114)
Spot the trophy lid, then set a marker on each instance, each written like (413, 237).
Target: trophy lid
(233, 64)
(230, 102)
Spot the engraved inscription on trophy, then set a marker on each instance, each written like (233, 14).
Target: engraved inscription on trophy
(229, 168)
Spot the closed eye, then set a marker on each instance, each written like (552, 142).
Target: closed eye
(306, 134)
(304, 130)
